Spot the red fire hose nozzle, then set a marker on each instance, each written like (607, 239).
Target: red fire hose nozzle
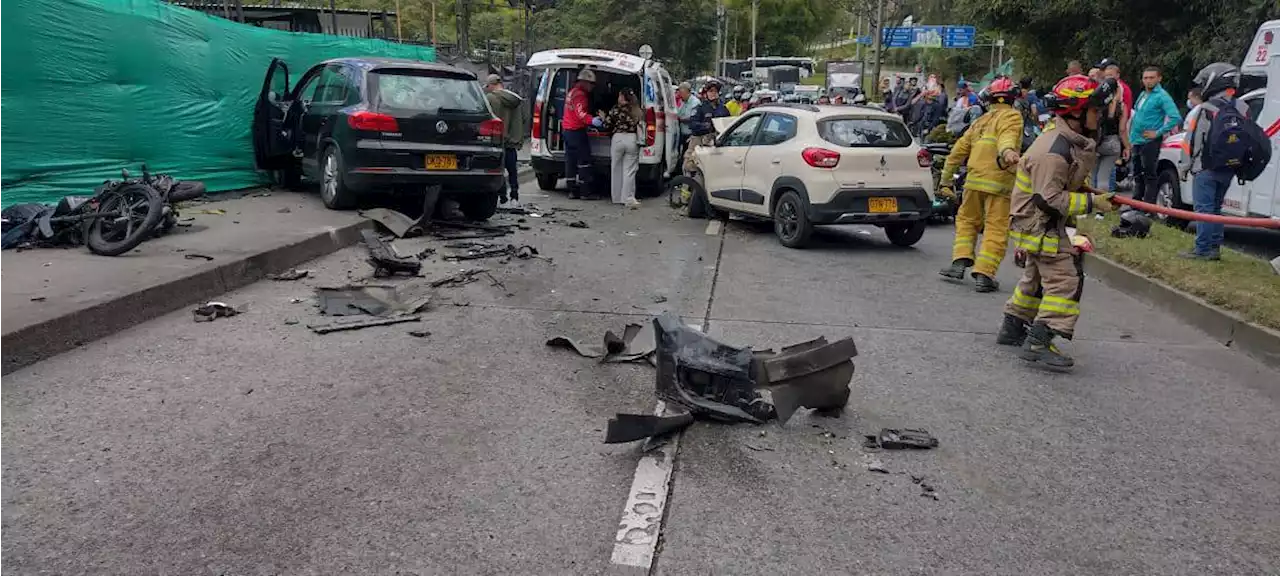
(1271, 223)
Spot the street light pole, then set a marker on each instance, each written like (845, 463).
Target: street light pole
(879, 40)
(755, 11)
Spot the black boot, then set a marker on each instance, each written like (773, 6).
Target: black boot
(984, 283)
(574, 189)
(1039, 350)
(1013, 331)
(955, 272)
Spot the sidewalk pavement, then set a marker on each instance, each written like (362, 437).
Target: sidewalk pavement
(57, 299)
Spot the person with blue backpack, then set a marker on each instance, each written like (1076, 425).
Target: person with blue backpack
(1224, 145)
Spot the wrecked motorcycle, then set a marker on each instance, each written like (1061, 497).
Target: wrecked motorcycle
(119, 216)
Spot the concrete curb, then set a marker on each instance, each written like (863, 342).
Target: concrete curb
(37, 342)
(1224, 326)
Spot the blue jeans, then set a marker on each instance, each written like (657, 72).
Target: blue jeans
(509, 161)
(1208, 191)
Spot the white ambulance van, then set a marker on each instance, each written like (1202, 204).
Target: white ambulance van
(1261, 197)
(614, 71)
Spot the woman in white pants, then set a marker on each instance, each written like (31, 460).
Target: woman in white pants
(625, 120)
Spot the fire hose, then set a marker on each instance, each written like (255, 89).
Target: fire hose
(1271, 223)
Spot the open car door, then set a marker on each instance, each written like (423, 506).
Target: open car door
(271, 141)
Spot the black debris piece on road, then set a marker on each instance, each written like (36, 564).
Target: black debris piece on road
(464, 277)
(901, 439)
(372, 300)
(631, 427)
(636, 343)
(725, 383)
(384, 262)
(419, 333)
(211, 311)
(494, 251)
(813, 374)
(398, 224)
(290, 275)
(198, 257)
(578, 224)
(339, 326)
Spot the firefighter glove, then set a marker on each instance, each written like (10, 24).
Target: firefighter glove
(1103, 203)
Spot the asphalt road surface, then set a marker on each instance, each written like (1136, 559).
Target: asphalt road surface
(251, 446)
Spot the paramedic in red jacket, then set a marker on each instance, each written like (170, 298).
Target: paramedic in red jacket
(573, 127)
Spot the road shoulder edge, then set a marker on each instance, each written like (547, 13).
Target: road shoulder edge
(43, 340)
(1224, 326)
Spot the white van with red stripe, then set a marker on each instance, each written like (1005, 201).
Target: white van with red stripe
(1261, 197)
(614, 71)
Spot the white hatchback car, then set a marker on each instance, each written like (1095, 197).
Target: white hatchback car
(803, 165)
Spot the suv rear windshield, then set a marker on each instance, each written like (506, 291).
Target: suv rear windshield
(865, 132)
(425, 93)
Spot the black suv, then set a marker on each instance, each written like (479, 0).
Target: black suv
(358, 124)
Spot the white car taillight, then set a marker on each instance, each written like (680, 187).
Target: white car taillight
(821, 157)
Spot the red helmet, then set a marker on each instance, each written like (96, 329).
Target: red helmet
(1002, 90)
(1071, 95)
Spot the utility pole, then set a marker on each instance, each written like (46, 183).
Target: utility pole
(755, 13)
(399, 35)
(878, 38)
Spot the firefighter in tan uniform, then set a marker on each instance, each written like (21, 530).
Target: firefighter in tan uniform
(1046, 194)
(989, 148)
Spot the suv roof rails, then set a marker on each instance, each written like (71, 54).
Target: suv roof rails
(795, 105)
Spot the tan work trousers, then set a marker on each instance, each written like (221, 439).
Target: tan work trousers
(1049, 292)
(690, 161)
(989, 214)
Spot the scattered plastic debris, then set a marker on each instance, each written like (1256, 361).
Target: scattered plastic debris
(373, 300)
(419, 333)
(901, 439)
(464, 277)
(631, 427)
(290, 275)
(339, 326)
(636, 343)
(198, 257)
(578, 224)
(211, 311)
(384, 262)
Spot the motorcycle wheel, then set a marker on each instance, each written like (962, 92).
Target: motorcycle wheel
(141, 210)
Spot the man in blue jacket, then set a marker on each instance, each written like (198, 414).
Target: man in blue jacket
(1154, 116)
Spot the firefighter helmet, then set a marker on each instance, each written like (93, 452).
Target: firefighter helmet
(1071, 95)
(1002, 91)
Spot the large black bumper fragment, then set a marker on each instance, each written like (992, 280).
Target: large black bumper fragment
(632, 427)
(707, 377)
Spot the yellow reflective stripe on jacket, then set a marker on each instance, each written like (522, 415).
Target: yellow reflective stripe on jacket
(987, 140)
(965, 240)
(1024, 300)
(1078, 203)
(992, 259)
(1022, 182)
(1060, 305)
(1034, 243)
(990, 186)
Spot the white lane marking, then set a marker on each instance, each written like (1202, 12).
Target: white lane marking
(713, 228)
(641, 525)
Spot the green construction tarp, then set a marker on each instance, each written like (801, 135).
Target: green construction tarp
(93, 86)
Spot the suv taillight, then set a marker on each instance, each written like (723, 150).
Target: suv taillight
(536, 132)
(491, 129)
(924, 158)
(650, 126)
(820, 157)
(372, 122)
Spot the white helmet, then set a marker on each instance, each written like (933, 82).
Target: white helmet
(587, 75)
